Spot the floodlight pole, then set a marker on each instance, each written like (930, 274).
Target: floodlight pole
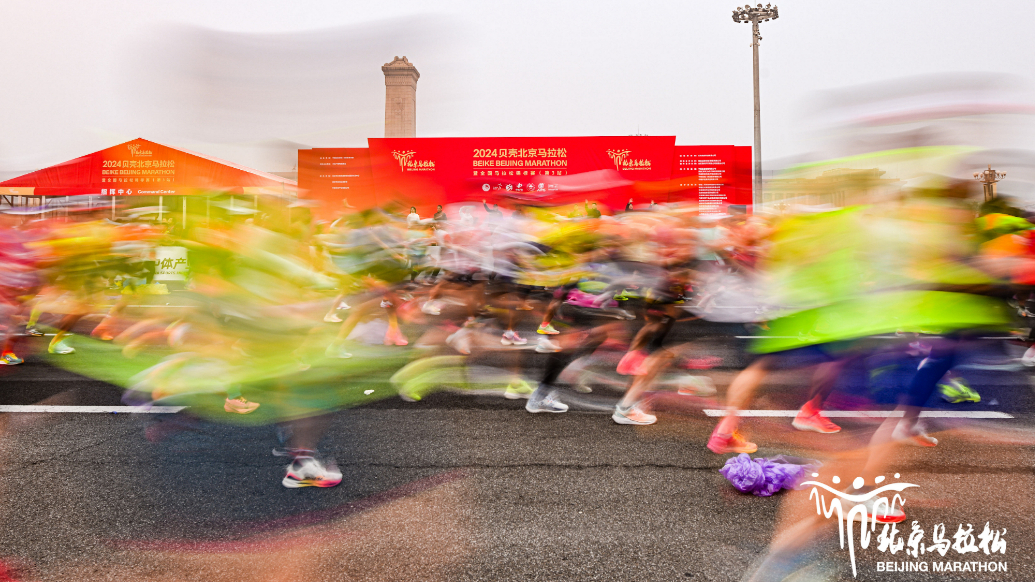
(988, 179)
(756, 198)
(754, 16)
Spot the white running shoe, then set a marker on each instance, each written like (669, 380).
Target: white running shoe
(308, 472)
(344, 305)
(332, 318)
(545, 346)
(633, 415)
(431, 308)
(584, 383)
(460, 340)
(914, 436)
(696, 386)
(549, 403)
(511, 338)
(337, 351)
(60, 348)
(1028, 359)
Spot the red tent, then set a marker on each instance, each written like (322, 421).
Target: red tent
(144, 168)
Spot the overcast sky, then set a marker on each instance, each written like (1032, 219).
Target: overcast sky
(248, 80)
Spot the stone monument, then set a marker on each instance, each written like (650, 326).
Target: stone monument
(400, 98)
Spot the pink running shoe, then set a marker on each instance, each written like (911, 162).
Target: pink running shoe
(722, 444)
(815, 422)
(705, 363)
(395, 338)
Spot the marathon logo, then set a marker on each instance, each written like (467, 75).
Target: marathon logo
(408, 164)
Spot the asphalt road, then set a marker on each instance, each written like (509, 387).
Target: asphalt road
(471, 487)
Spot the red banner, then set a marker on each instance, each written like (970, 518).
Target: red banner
(144, 168)
(514, 170)
(715, 176)
(425, 172)
(337, 178)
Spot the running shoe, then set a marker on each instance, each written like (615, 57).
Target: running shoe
(395, 337)
(337, 351)
(883, 515)
(631, 363)
(704, 363)
(460, 340)
(1028, 359)
(518, 390)
(545, 346)
(548, 403)
(431, 307)
(696, 386)
(60, 348)
(814, 422)
(511, 338)
(919, 348)
(526, 306)
(344, 305)
(240, 406)
(410, 392)
(633, 415)
(916, 435)
(547, 329)
(332, 318)
(385, 304)
(722, 444)
(9, 359)
(33, 332)
(625, 314)
(583, 385)
(308, 472)
(956, 391)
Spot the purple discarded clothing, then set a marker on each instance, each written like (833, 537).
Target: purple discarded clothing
(764, 477)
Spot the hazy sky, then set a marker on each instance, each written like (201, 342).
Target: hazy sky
(248, 80)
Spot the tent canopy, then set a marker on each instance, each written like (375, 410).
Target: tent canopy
(144, 168)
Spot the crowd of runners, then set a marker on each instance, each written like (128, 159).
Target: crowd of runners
(283, 320)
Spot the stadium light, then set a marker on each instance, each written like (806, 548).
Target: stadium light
(754, 15)
(988, 178)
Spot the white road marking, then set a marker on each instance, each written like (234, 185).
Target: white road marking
(867, 413)
(91, 409)
(991, 337)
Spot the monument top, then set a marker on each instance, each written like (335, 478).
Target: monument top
(400, 66)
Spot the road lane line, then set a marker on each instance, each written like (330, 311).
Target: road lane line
(867, 413)
(90, 409)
